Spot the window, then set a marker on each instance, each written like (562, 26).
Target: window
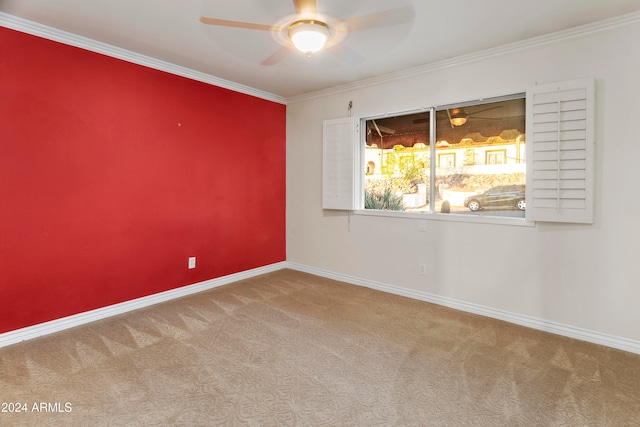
(478, 146)
(371, 168)
(447, 160)
(485, 163)
(496, 157)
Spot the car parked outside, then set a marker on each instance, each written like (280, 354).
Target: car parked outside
(498, 197)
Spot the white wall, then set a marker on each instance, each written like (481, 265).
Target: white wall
(585, 276)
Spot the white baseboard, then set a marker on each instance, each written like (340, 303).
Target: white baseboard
(30, 332)
(519, 319)
(57, 325)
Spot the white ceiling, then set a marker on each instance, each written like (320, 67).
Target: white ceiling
(440, 30)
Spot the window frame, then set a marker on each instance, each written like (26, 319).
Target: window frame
(573, 139)
(431, 214)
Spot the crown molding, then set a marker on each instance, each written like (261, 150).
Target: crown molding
(532, 43)
(54, 34)
(50, 33)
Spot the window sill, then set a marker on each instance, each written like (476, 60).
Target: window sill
(478, 218)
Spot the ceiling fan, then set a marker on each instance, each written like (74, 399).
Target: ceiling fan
(458, 116)
(309, 32)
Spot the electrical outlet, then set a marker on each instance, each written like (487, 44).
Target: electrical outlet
(192, 262)
(422, 269)
(422, 225)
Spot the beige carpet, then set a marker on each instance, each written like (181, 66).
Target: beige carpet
(289, 348)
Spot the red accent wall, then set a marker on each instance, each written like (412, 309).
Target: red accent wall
(113, 174)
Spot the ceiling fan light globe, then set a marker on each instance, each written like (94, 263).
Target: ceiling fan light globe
(309, 36)
(458, 121)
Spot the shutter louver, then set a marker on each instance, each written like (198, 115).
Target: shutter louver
(338, 156)
(560, 152)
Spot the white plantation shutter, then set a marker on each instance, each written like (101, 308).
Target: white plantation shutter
(339, 149)
(560, 152)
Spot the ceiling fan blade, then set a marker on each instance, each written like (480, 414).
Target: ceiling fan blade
(276, 56)
(238, 24)
(486, 109)
(349, 56)
(375, 125)
(305, 6)
(387, 18)
(386, 130)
